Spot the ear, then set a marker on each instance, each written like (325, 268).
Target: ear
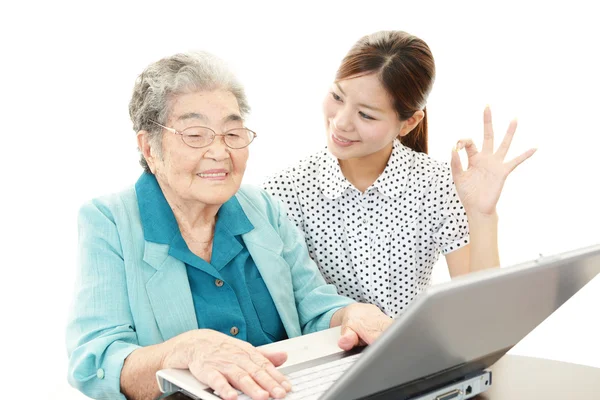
(412, 122)
(146, 150)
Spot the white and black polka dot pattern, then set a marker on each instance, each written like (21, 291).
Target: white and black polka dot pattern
(379, 246)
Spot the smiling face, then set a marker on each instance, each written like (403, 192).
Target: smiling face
(359, 118)
(210, 175)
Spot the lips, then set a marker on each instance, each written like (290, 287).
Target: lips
(213, 174)
(343, 139)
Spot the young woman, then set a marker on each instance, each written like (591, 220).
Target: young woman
(375, 209)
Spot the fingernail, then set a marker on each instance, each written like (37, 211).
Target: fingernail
(262, 393)
(279, 392)
(232, 394)
(286, 385)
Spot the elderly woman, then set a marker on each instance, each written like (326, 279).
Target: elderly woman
(189, 269)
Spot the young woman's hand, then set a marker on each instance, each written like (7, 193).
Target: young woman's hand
(480, 185)
(361, 324)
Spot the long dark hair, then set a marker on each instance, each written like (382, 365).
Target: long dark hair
(406, 69)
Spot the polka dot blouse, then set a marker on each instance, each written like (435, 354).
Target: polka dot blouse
(379, 246)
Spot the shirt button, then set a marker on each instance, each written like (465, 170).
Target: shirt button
(365, 221)
(234, 330)
(100, 374)
(218, 282)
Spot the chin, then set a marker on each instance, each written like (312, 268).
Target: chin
(214, 200)
(218, 196)
(339, 153)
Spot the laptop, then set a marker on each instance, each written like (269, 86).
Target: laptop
(440, 347)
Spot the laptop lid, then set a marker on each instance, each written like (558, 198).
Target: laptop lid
(457, 328)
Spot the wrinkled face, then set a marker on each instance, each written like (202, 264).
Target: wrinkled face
(210, 175)
(359, 118)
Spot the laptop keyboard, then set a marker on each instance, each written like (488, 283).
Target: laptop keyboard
(310, 383)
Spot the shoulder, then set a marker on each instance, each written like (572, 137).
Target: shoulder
(257, 203)
(114, 221)
(439, 189)
(295, 175)
(113, 206)
(254, 195)
(423, 168)
(424, 164)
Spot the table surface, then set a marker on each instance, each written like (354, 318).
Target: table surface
(523, 378)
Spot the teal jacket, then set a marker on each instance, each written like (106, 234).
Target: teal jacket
(131, 293)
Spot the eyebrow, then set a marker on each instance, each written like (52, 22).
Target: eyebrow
(195, 115)
(361, 104)
(340, 88)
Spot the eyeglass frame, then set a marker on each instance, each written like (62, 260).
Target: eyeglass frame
(215, 134)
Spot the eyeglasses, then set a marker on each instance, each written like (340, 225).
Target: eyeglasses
(202, 136)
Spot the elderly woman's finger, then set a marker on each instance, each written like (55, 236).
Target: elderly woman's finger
(276, 359)
(242, 380)
(266, 381)
(279, 377)
(264, 373)
(214, 379)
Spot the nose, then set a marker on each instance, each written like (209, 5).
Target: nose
(342, 120)
(218, 150)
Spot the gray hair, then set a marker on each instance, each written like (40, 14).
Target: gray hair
(171, 76)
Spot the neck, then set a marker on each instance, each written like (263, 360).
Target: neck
(196, 220)
(362, 172)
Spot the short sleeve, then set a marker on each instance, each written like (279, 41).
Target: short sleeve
(452, 230)
(283, 188)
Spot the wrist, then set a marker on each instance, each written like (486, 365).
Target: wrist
(165, 354)
(172, 352)
(337, 317)
(479, 217)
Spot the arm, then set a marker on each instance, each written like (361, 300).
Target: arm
(316, 301)
(479, 188)
(482, 252)
(138, 376)
(318, 304)
(220, 361)
(100, 332)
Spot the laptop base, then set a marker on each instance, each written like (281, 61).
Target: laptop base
(459, 391)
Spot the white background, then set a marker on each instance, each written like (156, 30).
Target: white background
(67, 72)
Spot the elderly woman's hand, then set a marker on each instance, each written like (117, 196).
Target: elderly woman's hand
(224, 363)
(361, 324)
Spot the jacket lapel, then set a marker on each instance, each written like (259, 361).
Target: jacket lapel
(169, 292)
(265, 247)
